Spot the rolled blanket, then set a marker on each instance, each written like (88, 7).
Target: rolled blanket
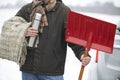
(12, 40)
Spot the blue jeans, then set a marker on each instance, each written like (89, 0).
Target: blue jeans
(29, 76)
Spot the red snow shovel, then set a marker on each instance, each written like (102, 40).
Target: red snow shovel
(91, 33)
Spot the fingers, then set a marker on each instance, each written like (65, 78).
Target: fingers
(85, 60)
(31, 32)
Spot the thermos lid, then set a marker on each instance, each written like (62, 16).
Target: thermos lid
(38, 16)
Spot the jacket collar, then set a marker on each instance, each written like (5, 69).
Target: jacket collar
(56, 6)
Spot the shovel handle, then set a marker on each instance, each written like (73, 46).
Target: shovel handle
(81, 73)
(89, 42)
(82, 68)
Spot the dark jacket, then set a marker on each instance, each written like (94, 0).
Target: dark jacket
(49, 57)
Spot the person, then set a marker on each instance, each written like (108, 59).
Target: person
(47, 60)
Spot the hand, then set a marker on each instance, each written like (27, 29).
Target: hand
(85, 60)
(31, 32)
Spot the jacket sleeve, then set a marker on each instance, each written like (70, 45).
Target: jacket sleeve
(24, 12)
(21, 12)
(78, 50)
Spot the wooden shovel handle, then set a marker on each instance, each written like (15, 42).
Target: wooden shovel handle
(82, 68)
(81, 73)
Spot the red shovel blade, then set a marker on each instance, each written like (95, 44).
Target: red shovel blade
(79, 27)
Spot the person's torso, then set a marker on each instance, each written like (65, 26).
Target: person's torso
(49, 56)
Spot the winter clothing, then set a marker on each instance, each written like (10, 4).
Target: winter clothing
(48, 6)
(12, 40)
(49, 57)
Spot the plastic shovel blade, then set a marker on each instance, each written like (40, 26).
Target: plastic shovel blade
(79, 27)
